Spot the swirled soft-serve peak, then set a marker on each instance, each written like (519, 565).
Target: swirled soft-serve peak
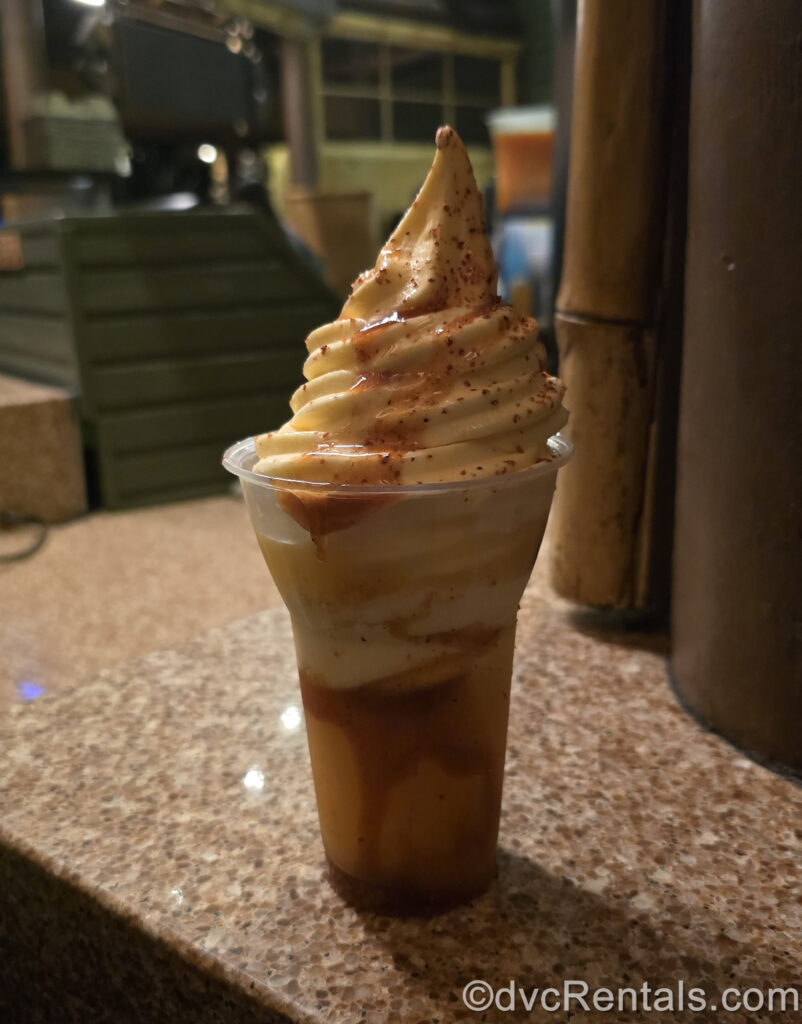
(426, 376)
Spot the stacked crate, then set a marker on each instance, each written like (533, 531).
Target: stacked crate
(179, 333)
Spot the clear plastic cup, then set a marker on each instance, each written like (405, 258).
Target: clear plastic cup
(403, 602)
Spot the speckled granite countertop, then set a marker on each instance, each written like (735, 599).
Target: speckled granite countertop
(160, 860)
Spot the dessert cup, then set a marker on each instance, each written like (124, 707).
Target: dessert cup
(403, 600)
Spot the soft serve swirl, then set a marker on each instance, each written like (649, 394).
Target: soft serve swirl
(426, 376)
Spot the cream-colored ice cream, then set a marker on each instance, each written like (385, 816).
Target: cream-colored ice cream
(426, 376)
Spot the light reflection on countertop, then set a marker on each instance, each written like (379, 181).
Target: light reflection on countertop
(28, 690)
(254, 779)
(291, 717)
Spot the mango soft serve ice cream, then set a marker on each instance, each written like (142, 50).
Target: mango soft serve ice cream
(400, 511)
(426, 376)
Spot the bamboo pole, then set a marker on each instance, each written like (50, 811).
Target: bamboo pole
(606, 306)
(609, 371)
(614, 218)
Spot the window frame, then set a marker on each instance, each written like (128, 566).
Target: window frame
(387, 34)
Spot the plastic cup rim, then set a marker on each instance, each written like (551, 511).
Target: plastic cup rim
(235, 456)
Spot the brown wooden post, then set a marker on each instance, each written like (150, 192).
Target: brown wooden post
(607, 304)
(23, 60)
(737, 598)
(299, 112)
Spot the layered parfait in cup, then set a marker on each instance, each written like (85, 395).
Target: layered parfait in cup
(400, 511)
